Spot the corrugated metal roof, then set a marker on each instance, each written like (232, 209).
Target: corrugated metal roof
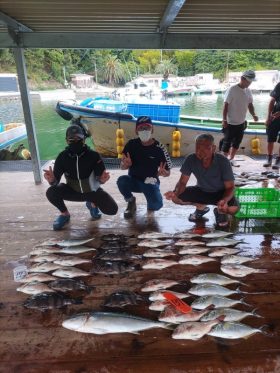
(152, 23)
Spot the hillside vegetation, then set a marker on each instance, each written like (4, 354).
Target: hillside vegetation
(51, 68)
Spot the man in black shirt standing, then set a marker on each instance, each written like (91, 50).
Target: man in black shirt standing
(146, 159)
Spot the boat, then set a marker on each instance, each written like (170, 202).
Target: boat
(101, 120)
(11, 133)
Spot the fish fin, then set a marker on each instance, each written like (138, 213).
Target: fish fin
(243, 302)
(254, 312)
(170, 326)
(136, 333)
(241, 292)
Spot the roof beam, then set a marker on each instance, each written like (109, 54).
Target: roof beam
(13, 24)
(141, 41)
(170, 13)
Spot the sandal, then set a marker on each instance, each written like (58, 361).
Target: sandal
(198, 215)
(221, 219)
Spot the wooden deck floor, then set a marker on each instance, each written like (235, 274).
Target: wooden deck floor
(32, 341)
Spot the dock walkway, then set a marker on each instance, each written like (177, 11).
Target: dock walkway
(33, 341)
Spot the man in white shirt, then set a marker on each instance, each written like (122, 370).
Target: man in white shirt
(238, 99)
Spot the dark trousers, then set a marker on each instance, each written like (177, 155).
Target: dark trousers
(57, 194)
(233, 135)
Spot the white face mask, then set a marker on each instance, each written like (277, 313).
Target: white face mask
(145, 135)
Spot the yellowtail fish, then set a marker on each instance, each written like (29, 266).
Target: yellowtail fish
(213, 278)
(108, 322)
(233, 330)
(230, 314)
(223, 242)
(211, 289)
(215, 301)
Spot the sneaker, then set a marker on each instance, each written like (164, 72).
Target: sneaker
(131, 208)
(60, 221)
(221, 219)
(276, 165)
(268, 162)
(94, 211)
(198, 215)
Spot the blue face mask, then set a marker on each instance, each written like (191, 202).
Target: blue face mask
(145, 135)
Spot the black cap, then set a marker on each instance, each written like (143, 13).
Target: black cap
(143, 120)
(75, 131)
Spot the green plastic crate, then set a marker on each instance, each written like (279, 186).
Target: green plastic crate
(258, 203)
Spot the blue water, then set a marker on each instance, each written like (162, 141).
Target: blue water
(50, 127)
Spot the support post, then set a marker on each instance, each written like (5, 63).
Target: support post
(28, 117)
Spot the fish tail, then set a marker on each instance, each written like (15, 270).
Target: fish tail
(262, 271)
(242, 300)
(169, 326)
(254, 312)
(265, 331)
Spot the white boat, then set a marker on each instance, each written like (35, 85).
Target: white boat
(102, 125)
(11, 133)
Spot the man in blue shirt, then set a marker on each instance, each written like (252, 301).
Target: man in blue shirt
(146, 159)
(215, 183)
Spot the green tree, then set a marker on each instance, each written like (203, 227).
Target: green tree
(114, 71)
(166, 67)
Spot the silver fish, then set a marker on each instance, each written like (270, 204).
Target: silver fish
(171, 315)
(40, 277)
(159, 305)
(236, 259)
(222, 251)
(216, 234)
(158, 264)
(216, 301)
(158, 295)
(230, 314)
(122, 298)
(183, 242)
(193, 330)
(223, 242)
(46, 301)
(186, 235)
(44, 250)
(239, 270)
(44, 258)
(69, 285)
(211, 289)
(233, 330)
(154, 235)
(107, 322)
(66, 243)
(71, 260)
(158, 253)
(195, 260)
(43, 267)
(158, 284)
(70, 272)
(34, 288)
(76, 250)
(193, 250)
(154, 243)
(213, 278)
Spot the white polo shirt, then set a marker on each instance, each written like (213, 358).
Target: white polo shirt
(238, 100)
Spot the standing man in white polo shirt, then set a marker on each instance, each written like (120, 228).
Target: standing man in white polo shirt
(238, 99)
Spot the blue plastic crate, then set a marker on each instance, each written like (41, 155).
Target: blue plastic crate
(105, 105)
(161, 112)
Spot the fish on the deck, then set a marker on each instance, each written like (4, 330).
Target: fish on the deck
(72, 250)
(195, 260)
(65, 285)
(158, 253)
(113, 267)
(193, 250)
(159, 305)
(223, 242)
(193, 330)
(216, 301)
(70, 272)
(158, 284)
(69, 260)
(222, 251)
(186, 235)
(236, 259)
(39, 277)
(183, 242)
(171, 315)
(239, 270)
(213, 278)
(44, 258)
(233, 330)
(216, 234)
(66, 243)
(154, 235)
(158, 264)
(44, 267)
(211, 289)
(230, 314)
(154, 243)
(47, 301)
(158, 295)
(108, 322)
(123, 298)
(34, 288)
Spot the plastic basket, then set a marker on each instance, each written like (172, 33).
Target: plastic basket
(258, 203)
(160, 112)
